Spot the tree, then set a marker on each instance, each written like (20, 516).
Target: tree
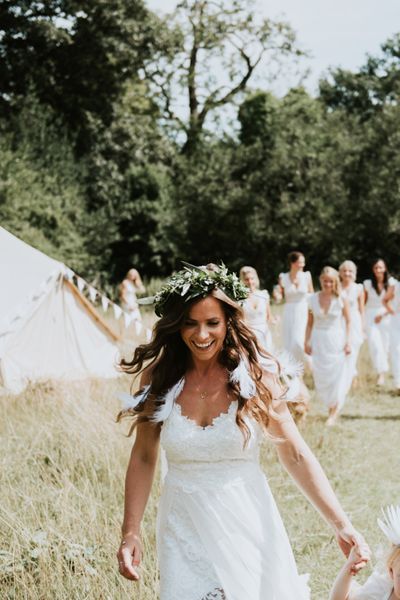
(75, 55)
(217, 48)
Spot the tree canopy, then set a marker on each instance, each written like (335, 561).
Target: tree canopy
(109, 157)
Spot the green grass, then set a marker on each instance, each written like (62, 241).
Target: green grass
(62, 469)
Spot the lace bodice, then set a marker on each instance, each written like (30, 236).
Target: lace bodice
(326, 319)
(214, 450)
(295, 293)
(255, 308)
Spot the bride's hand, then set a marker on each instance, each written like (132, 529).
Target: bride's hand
(347, 538)
(129, 556)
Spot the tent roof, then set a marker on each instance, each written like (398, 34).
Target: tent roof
(25, 274)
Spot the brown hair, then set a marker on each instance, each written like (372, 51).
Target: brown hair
(294, 256)
(167, 355)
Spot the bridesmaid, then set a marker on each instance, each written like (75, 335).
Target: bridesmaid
(391, 302)
(354, 294)
(295, 286)
(328, 341)
(377, 317)
(257, 308)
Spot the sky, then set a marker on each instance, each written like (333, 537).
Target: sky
(334, 32)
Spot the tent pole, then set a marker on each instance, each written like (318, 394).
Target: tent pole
(93, 312)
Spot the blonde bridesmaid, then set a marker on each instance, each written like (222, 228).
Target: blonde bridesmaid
(354, 294)
(257, 308)
(327, 340)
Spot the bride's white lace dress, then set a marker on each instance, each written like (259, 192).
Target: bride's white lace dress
(219, 532)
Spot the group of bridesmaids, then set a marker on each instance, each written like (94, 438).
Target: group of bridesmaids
(325, 330)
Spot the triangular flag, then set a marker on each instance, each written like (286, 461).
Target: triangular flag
(104, 303)
(117, 311)
(80, 284)
(127, 319)
(92, 293)
(69, 274)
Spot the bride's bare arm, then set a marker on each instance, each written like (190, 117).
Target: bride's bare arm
(299, 461)
(138, 482)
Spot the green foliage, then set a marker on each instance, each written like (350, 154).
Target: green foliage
(42, 198)
(94, 173)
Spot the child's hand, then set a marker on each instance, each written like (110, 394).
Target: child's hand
(355, 560)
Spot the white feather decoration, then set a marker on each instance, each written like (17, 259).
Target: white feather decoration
(164, 410)
(288, 369)
(390, 524)
(129, 401)
(241, 376)
(289, 365)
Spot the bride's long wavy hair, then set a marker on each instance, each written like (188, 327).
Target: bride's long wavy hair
(168, 356)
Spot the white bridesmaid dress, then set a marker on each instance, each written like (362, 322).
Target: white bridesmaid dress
(219, 532)
(351, 294)
(295, 314)
(378, 586)
(255, 316)
(378, 334)
(395, 336)
(331, 366)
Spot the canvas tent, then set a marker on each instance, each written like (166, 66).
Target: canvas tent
(48, 330)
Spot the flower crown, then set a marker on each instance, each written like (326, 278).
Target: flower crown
(197, 282)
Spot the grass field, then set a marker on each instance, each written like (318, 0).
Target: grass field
(62, 468)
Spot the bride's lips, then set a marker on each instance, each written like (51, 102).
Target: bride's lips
(203, 347)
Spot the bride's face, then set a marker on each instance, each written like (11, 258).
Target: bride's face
(204, 329)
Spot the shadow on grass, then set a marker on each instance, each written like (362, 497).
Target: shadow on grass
(370, 417)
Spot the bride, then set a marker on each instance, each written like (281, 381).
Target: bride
(208, 394)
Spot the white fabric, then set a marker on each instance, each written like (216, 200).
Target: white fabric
(331, 366)
(52, 336)
(130, 304)
(219, 533)
(295, 313)
(255, 314)
(378, 586)
(377, 333)
(395, 337)
(352, 294)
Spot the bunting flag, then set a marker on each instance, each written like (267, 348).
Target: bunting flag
(92, 293)
(105, 303)
(127, 319)
(69, 274)
(80, 283)
(117, 311)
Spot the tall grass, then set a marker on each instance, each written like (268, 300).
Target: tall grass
(63, 460)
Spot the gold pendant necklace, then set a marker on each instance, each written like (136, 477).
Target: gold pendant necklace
(203, 395)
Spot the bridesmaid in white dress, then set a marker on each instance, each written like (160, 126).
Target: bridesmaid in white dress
(328, 341)
(257, 308)
(378, 318)
(296, 285)
(391, 302)
(354, 294)
(220, 535)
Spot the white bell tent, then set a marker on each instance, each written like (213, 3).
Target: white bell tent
(48, 329)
